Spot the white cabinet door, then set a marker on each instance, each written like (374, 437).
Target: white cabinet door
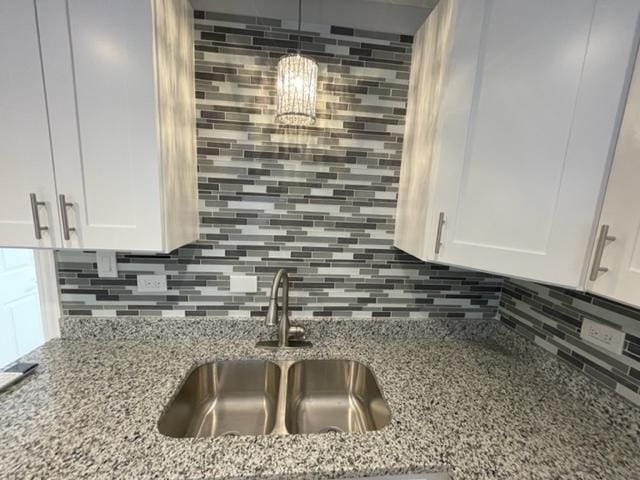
(448, 36)
(430, 47)
(621, 213)
(25, 152)
(526, 135)
(99, 69)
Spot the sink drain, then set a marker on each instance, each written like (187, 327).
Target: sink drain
(232, 433)
(332, 429)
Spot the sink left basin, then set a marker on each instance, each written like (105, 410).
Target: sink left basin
(224, 398)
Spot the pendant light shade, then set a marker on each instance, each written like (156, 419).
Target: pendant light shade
(296, 86)
(296, 89)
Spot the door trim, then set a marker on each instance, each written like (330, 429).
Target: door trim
(48, 294)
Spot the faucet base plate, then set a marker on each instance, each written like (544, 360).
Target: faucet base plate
(274, 345)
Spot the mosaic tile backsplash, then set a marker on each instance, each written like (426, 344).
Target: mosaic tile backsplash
(552, 317)
(318, 201)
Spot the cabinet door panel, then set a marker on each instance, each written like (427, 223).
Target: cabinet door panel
(621, 211)
(515, 92)
(430, 47)
(25, 152)
(99, 70)
(176, 105)
(520, 198)
(448, 38)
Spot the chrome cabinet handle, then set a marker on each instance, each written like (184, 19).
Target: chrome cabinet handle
(66, 230)
(439, 233)
(597, 257)
(37, 226)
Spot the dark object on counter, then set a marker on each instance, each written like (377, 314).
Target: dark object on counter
(14, 373)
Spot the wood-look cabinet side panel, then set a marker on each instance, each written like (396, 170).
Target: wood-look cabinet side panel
(621, 211)
(430, 49)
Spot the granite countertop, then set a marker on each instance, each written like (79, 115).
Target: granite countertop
(489, 408)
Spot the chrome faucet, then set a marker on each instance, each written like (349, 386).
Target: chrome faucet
(288, 335)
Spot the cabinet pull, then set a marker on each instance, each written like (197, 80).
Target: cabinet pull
(439, 233)
(597, 257)
(37, 226)
(66, 230)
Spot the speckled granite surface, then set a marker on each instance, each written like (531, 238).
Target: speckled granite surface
(487, 409)
(226, 328)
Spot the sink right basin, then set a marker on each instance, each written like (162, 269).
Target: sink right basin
(333, 396)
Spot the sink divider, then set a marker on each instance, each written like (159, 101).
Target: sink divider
(280, 426)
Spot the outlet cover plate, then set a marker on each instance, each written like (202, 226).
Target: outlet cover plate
(107, 266)
(243, 284)
(152, 283)
(602, 335)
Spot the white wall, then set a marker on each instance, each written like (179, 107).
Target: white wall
(20, 317)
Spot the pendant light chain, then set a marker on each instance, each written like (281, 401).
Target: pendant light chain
(299, 23)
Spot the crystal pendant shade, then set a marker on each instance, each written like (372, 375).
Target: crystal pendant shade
(296, 89)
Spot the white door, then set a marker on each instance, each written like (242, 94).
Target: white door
(621, 213)
(20, 318)
(26, 166)
(98, 62)
(520, 181)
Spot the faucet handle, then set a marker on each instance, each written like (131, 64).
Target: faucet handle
(296, 332)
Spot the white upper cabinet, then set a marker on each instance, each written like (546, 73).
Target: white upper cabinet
(619, 255)
(26, 175)
(527, 116)
(430, 47)
(118, 77)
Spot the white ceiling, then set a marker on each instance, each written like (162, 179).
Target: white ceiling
(393, 16)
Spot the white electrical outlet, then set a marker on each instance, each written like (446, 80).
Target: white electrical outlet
(107, 266)
(152, 283)
(602, 335)
(244, 284)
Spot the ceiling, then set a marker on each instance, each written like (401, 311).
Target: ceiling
(393, 16)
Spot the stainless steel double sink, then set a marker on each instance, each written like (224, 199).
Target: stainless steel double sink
(257, 397)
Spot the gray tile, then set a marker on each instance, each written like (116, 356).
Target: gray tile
(308, 195)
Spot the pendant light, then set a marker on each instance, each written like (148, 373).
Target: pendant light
(296, 86)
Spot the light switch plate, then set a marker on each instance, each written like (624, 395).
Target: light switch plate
(107, 266)
(602, 335)
(152, 283)
(243, 284)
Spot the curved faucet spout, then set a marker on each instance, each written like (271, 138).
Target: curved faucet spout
(279, 276)
(285, 330)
